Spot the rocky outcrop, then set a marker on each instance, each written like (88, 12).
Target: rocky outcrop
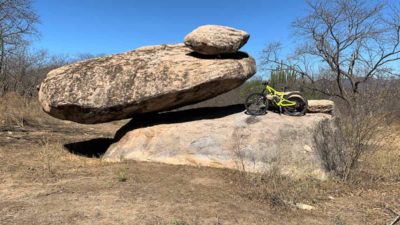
(224, 137)
(214, 40)
(148, 79)
(320, 106)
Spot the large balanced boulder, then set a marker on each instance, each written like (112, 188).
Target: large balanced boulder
(214, 40)
(148, 79)
(224, 137)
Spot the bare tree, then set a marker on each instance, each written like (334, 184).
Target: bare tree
(347, 49)
(17, 20)
(350, 40)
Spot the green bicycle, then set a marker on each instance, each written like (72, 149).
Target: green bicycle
(293, 103)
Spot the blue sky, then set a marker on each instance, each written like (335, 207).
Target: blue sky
(73, 27)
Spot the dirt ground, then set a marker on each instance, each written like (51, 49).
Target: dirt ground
(52, 175)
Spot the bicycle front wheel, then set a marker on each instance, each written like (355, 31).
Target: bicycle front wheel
(256, 104)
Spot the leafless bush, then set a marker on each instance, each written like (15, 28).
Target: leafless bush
(48, 154)
(358, 128)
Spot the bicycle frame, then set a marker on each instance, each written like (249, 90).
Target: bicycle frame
(282, 101)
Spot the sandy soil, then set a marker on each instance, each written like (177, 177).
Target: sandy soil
(52, 175)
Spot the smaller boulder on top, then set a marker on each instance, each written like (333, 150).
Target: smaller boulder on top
(321, 106)
(215, 40)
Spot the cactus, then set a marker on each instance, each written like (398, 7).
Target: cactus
(281, 78)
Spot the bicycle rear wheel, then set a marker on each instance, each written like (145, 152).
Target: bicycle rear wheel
(301, 105)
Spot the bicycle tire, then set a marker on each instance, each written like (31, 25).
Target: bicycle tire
(301, 106)
(260, 107)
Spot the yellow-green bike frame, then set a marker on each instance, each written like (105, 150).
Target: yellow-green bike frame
(282, 101)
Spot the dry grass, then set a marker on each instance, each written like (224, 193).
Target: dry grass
(284, 192)
(53, 156)
(382, 164)
(121, 174)
(18, 111)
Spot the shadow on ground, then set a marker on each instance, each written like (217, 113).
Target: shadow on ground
(92, 148)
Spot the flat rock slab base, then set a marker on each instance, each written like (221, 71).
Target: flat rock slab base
(226, 138)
